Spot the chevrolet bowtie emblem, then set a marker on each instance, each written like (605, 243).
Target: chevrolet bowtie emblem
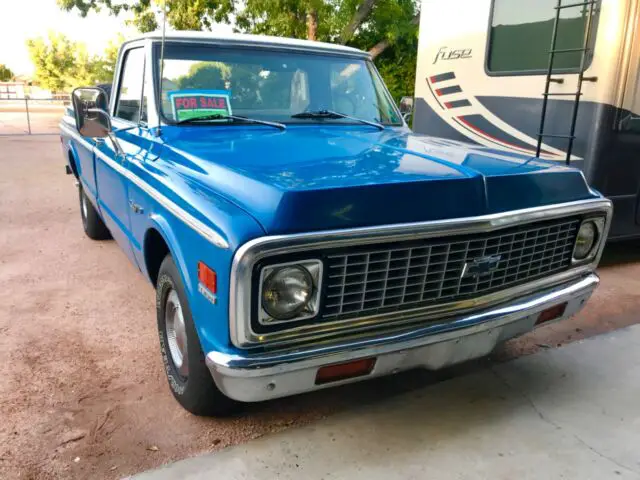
(480, 266)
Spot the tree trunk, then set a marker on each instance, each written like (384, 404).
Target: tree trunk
(378, 48)
(382, 45)
(362, 12)
(312, 24)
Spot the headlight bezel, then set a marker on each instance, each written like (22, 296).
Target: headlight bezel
(314, 267)
(599, 223)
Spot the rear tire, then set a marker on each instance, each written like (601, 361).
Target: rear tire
(187, 373)
(93, 225)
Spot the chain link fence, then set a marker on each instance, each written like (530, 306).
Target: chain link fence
(32, 116)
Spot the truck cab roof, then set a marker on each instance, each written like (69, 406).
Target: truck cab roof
(240, 39)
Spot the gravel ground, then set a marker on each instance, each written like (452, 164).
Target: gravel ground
(43, 120)
(82, 391)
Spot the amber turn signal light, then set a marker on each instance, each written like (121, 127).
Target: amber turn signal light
(343, 371)
(207, 277)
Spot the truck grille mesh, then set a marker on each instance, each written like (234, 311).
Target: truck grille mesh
(389, 277)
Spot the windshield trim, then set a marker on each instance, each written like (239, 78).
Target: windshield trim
(315, 48)
(376, 74)
(155, 56)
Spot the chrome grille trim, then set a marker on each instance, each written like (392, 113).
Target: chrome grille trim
(375, 280)
(259, 249)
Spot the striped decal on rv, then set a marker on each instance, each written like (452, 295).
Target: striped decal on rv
(457, 104)
(448, 90)
(482, 126)
(474, 123)
(442, 77)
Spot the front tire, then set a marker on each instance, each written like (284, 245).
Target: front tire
(92, 224)
(184, 362)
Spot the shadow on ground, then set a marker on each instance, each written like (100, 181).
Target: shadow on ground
(622, 252)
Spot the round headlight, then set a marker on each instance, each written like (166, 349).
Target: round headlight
(286, 292)
(585, 241)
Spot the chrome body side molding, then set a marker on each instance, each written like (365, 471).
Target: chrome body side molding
(199, 227)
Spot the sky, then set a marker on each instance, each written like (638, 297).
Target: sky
(32, 18)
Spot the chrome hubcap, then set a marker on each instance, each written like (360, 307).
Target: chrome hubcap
(176, 333)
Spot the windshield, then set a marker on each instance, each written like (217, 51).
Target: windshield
(200, 80)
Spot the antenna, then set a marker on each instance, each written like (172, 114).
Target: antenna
(164, 26)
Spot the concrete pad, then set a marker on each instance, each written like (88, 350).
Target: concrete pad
(571, 413)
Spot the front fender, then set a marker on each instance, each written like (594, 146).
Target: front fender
(71, 157)
(188, 247)
(162, 226)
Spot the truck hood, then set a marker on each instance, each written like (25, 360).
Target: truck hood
(311, 178)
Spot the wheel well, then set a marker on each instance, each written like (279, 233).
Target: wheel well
(155, 249)
(72, 163)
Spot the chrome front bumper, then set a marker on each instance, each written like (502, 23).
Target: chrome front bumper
(255, 377)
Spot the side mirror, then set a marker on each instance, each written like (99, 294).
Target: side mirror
(91, 112)
(406, 106)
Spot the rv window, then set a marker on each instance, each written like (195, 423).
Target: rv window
(520, 36)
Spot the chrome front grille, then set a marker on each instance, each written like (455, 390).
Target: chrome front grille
(383, 278)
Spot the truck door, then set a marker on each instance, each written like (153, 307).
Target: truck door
(112, 168)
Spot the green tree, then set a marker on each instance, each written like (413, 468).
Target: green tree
(205, 75)
(5, 73)
(62, 64)
(329, 20)
(391, 36)
(311, 19)
(54, 60)
(181, 14)
(388, 29)
(103, 67)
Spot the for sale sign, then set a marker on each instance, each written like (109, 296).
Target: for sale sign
(187, 104)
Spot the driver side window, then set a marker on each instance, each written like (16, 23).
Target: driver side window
(131, 100)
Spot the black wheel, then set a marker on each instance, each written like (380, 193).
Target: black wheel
(188, 375)
(93, 225)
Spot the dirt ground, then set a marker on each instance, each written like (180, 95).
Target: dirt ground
(42, 119)
(82, 391)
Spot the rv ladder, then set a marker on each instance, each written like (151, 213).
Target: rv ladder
(585, 49)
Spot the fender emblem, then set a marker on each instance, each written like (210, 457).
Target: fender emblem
(480, 266)
(207, 294)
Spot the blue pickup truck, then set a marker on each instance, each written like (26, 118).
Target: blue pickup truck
(299, 235)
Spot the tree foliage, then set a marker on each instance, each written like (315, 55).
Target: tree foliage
(387, 28)
(62, 64)
(391, 35)
(5, 73)
(313, 19)
(205, 75)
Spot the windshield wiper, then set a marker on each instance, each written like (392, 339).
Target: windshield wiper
(332, 114)
(219, 116)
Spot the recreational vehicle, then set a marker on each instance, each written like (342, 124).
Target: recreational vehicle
(556, 79)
